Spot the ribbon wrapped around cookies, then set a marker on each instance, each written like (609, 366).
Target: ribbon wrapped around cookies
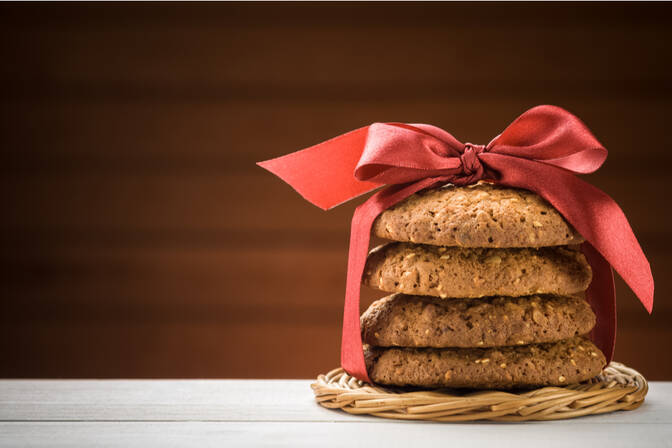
(541, 151)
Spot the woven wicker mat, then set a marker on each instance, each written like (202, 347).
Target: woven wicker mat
(617, 388)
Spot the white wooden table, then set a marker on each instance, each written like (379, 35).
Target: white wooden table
(232, 413)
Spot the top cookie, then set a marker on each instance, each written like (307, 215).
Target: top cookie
(480, 215)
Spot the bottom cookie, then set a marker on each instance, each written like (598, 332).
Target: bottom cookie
(554, 364)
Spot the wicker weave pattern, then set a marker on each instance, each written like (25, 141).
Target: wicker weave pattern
(617, 388)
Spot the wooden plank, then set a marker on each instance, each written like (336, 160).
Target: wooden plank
(181, 349)
(157, 400)
(161, 206)
(311, 277)
(328, 434)
(223, 137)
(190, 54)
(228, 401)
(212, 207)
(346, 14)
(634, 346)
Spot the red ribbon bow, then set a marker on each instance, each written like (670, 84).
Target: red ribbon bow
(540, 151)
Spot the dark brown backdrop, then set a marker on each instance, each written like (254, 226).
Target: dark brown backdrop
(138, 237)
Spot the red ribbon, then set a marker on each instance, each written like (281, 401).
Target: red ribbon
(541, 151)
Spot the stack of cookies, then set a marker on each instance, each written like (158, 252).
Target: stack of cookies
(488, 287)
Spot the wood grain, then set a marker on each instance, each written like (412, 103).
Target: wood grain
(272, 413)
(326, 434)
(230, 401)
(139, 239)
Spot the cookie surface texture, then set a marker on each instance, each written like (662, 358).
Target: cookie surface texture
(460, 272)
(420, 321)
(555, 364)
(480, 215)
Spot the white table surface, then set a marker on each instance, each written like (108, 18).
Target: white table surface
(232, 413)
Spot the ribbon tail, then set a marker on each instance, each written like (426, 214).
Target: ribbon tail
(599, 220)
(601, 295)
(352, 354)
(322, 174)
(591, 211)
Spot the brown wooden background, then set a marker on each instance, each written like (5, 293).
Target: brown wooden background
(138, 237)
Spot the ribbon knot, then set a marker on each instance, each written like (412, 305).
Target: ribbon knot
(472, 168)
